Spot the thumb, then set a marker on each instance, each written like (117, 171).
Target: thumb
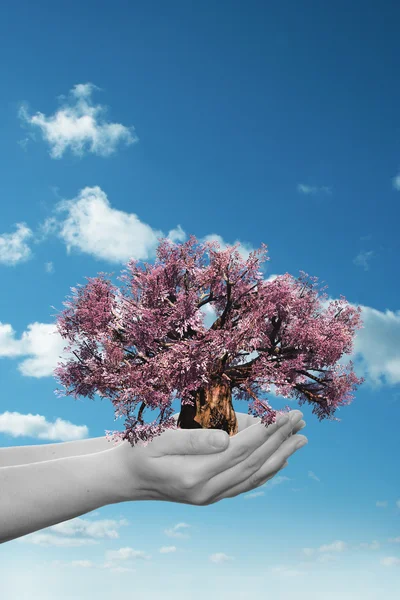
(195, 441)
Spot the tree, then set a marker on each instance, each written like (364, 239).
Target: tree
(140, 344)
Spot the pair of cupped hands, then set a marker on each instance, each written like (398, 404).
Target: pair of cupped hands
(203, 466)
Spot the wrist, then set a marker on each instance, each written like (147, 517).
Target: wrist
(108, 476)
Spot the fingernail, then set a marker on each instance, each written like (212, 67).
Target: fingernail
(301, 443)
(296, 416)
(218, 440)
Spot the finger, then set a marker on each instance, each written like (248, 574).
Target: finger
(294, 416)
(203, 441)
(190, 441)
(247, 485)
(259, 476)
(246, 453)
(244, 444)
(300, 425)
(241, 475)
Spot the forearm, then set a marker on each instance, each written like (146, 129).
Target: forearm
(42, 494)
(23, 455)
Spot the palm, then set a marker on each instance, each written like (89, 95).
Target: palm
(245, 421)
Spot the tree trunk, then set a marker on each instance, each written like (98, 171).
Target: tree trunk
(212, 410)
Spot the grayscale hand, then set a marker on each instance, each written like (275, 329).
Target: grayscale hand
(41, 486)
(182, 466)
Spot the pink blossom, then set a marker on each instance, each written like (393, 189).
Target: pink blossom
(140, 344)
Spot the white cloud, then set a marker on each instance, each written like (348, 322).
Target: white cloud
(396, 182)
(326, 551)
(41, 341)
(337, 546)
(75, 532)
(88, 564)
(174, 531)
(85, 564)
(103, 528)
(302, 188)
(381, 503)
(378, 347)
(49, 267)
(375, 545)
(254, 495)
(220, 557)
(167, 549)
(395, 540)
(390, 561)
(313, 476)
(326, 558)
(398, 503)
(275, 481)
(48, 539)
(91, 225)
(244, 249)
(285, 571)
(16, 425)
(126, 553)
(13, 246)
(23, 143)
(79, 126)
(361, 260)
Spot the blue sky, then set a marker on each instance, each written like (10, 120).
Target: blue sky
(237, 121)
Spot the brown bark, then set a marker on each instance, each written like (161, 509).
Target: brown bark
(212, 410)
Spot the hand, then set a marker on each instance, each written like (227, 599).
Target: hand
(182, 465)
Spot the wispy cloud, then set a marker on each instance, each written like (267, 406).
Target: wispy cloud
(326, 552)
(375, 545)
(254, 495)
(13, 246)
(361, 260)
(49, 539)
(276, 481)
(396, 182)
(79, 126)
(382, 503)
(313, 476)
(167, 549)
(285, 571)
(175, 531)
(75, 532)
(312, 190)
(390, 561)
(337, 546)
(49, 267)
(126, 553)
(220, 557)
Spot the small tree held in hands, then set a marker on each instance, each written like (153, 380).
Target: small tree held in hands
(140, 344)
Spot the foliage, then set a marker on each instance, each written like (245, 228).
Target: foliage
(144, 342)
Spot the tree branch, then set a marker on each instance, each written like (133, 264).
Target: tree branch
(141, 409)
(317, 379)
